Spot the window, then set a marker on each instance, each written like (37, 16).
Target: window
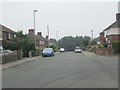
(0, 35)
(9, 36)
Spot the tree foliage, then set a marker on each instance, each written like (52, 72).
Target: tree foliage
(69, 42)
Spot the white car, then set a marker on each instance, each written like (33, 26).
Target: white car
(62, 50)
(78, 50)
(5, 52)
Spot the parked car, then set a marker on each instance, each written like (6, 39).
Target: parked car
(78, 50)
(47, 52)
(62, 50)
(5, 52)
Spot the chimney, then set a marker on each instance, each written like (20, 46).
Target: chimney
(46, 37)
(39, 33)
(31, 30)
(117, 16)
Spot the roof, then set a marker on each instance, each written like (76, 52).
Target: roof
(6, 29)
(116, 24)
(97, 39)
(40, 37)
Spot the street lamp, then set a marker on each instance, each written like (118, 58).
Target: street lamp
(34, 25)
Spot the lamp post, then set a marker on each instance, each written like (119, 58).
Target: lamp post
(34, 25)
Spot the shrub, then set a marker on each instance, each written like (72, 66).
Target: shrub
(105, 45)
(101, 46)
(116, 47)
(53, 47)
(36, 52)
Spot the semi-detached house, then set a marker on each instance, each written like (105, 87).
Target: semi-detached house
(38, 39)
(111, 33)
(6, 34)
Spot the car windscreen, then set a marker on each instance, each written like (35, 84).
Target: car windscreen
(47, 49)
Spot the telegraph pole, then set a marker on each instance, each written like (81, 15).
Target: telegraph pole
(91, 34)
(48, 35)
(57, 38)
(56, 35)
(48, 31)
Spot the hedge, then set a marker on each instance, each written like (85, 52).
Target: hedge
(116, 47)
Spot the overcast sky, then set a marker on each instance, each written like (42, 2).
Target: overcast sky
(69, 18)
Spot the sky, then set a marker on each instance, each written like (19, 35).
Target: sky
(68, 18)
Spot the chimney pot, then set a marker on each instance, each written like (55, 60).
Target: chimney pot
(31, 30)
(39, 33)
(117, 16)
(46, 37)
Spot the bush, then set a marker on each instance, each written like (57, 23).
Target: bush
(53, 47)
(101, 46)
(105, 45)
(116, 47)
(36, 52)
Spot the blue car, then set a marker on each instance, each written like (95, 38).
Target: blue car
(47, 52)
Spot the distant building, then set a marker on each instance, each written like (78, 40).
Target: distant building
(112, 32)
(38, 39)
(31, 35)
(41, 41)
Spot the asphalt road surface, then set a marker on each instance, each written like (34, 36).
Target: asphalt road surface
(64, 70)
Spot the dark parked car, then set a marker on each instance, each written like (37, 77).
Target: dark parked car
(47, 52)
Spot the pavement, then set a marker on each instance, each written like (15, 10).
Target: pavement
(18, 62)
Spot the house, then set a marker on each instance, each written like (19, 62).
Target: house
(31, 35)
(111, 33)
(38, 39)
(41, 42)
(6, 34)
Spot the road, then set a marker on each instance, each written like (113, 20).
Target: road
(64, 70)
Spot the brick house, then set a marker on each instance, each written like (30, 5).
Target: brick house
(31, 35)
(40, 41)
(112, 32)
(102, 37)
(6, 34)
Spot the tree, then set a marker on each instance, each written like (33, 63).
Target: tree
(53, 47)
(26, 43)
(69, 42)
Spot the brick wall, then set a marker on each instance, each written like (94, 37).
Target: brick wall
(102, 38)
(114, 38)
(103, 51)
